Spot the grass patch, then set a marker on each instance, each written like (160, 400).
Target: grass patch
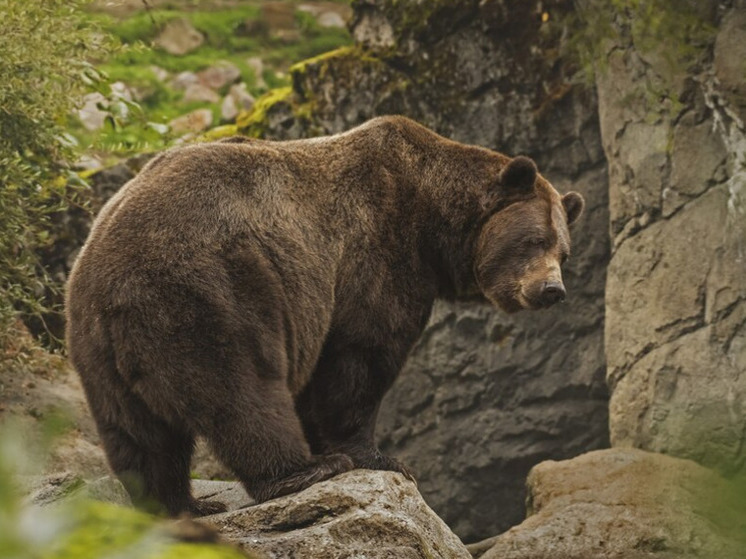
(233, 35)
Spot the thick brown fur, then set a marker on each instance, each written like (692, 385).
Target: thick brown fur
(265, 295)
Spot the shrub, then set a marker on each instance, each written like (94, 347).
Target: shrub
(44, 71)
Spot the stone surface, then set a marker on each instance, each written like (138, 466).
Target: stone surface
(219, 74)
(183, 80)
(92, 114)
(59, 486)
(230, 493)
(484, 396)
(195, 121)
(179, 37)
(257, 67)
(199, 92)
(237, 100)
(626, 504)
(365, 514)
(675, 296)
(37, 387)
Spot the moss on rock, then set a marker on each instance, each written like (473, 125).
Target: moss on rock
(103, 530)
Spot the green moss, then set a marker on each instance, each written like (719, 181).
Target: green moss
(218, 133)
(98, 530)
(254, 122)
(341, 53)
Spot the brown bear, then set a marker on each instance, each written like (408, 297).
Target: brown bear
(265, 295)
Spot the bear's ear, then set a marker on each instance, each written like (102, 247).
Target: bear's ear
(573, 204)
(518, 176)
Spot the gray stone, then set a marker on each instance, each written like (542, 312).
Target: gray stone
(183, 80)
(230, 493)
(202, 93)
(219, 75)
(730, 55)
(675, 296)
(237, 100)
(375, 515)
(179, 37)
(626, 504)
(196, 121)
(92, 113)
(331, 19)
(161, 74)
(61, 486)
(257, 67)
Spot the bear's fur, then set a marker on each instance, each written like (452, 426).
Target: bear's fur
(265, 295)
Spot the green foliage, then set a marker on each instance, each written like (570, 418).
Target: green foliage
(77, 528)
(232, 34)
(44, 70)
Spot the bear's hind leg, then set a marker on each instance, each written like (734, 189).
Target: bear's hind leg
(150, 456)
(259, 436)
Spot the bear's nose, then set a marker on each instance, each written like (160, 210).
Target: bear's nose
(553, 292)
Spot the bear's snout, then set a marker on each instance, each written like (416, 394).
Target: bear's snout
(552, 292)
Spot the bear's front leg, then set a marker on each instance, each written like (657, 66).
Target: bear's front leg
(339, 406)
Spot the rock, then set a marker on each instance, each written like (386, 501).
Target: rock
(675, 299)
(202, 93)
(38, 387)
(230, 493)
(626, 504)
(228, 109)
(331, 19)
(120, 90)
(183, 80)
(237, 100)
(160, 74)
(196, 121)
(371, 514)
(92, 114)
(257, 68)
(730, 55)
(179, 37)
(279, 17)
(219, 75)
(328, 14)
(61, 486)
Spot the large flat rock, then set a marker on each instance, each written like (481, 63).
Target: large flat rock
(370, 514)
(627, 504)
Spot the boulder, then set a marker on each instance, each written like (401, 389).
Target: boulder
(376, 515)
(675, 298)
(91, 113)
(219, 75)
(200, 92)
(179, 37)
(183, 80)
(257, 67)
(196, 121)
(626, 504)
(237, 100)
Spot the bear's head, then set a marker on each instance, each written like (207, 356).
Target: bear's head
(525, 239)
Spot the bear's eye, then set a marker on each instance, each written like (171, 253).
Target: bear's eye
(537, 241)
(563, 259)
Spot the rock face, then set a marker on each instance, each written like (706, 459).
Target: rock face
(676, 295)
(376, 515)
(626, 504)
(484, 396)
